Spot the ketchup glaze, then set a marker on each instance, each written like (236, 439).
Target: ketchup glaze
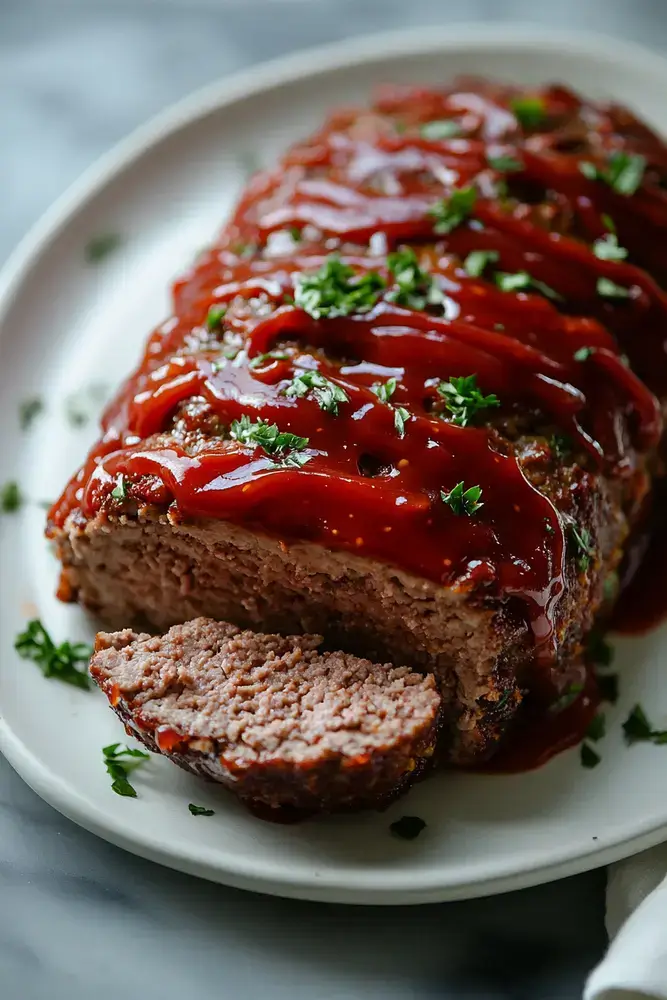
(366, 185)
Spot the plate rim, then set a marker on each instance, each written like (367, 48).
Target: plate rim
(221, 93)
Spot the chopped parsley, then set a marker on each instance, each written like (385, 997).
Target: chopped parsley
(522, 281)
(583, 354)
(29, 409)
(54, 661)
(120, 761)
(567, 698)
(608, 687)
(610, 290)
(416, 288)
(445, 129)
(505, 164)
(598, 650)
(384, 392)
(11, 498)
(583, 545)
(478, 260)
(337, 290)
(597, 729)
(215, 316)
(464, 400)
(451, 212)
(589, 757)
(560, 444)
(327, 394)
(624, 172)
(607, 248)
(119, 492)
(283, 446)
(530, 112)
(263, 359)
(200, 810)
(407, 827)
(462, 501)
(101, 246)
(638, 729)
(295, 233)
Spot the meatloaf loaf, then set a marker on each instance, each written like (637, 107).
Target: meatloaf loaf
(273, 719)
(408, 401)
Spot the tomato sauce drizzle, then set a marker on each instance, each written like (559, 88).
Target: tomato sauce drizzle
(361, 187)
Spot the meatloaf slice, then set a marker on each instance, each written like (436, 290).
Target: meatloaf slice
(270, 717)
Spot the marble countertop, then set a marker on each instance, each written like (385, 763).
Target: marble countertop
(80, 919)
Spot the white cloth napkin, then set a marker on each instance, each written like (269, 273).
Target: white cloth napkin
(635, 966)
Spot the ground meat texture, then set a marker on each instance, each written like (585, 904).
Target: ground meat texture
(272, 718)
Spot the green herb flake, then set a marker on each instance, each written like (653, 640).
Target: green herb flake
(597, 728)
(120, 761)
(327, 394)
(530, 112)
(401, 417)
(638, 729)
(11, 498)
(623, 173)
(583, 354)
(407, 827)
(384, 391)
(560, 445)
(571, 694)
(264, 359)
(462, 501)
(101, 247)
(610, 290)
(451, 212)
(215, 316)
(29, 410)
(337, 290)
(607, 248)
(505, 164)
(284, 447)
(445, 129)
(608, 687)
(608, 223)
(478, 260)
(464, 399)
(589, 757)
(295, 233)
(200, 810)
(583, 544)
(415, 288)
(521, 281)
(59, 661)
(119, 492)
(598, 650)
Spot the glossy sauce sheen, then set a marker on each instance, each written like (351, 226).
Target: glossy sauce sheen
(361, 188)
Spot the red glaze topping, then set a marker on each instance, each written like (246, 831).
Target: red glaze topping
(559, 187)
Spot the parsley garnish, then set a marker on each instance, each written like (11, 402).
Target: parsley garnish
(505, 164)
(478, 260)
(567, 698)
(560, 444)
(326, 392)
(54, 661)
(282, 445)
(607, 248)
(262, 359)
(337, 290)
(597, 728)
(522, 281)
(463, 501)
(10, 498)
(215, 316)
(445, 129)
(451, 212)
(295, 233)
(583, 354)
(583, 543)
(624, 172)
(384, 392)
(610, 290)
(101, 246)
(407, 827)
(119, 492)
(416, 288)
(589, 757)
(598, 649)
(529, 111)
(638, 729)
(608, 687)
(118, 768)
(29, 409)
(464, 399)
(200, 811)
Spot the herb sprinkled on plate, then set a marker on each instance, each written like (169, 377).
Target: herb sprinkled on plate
(59, 661)
(29, 410)
(120, 761)
(11, 498)
(407, 827)
(200, 810)
(102, 246)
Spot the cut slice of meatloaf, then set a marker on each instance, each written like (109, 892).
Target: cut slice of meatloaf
(270, 717)
(407, 401)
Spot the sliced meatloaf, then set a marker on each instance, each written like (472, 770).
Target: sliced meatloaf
(272, 718)
(408, 401)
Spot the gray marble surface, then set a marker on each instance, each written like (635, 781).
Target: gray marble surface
(80, 919)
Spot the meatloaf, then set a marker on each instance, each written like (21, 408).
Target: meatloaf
(409, 400)
(276, 721)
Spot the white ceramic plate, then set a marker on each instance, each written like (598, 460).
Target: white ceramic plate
(66, 325)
